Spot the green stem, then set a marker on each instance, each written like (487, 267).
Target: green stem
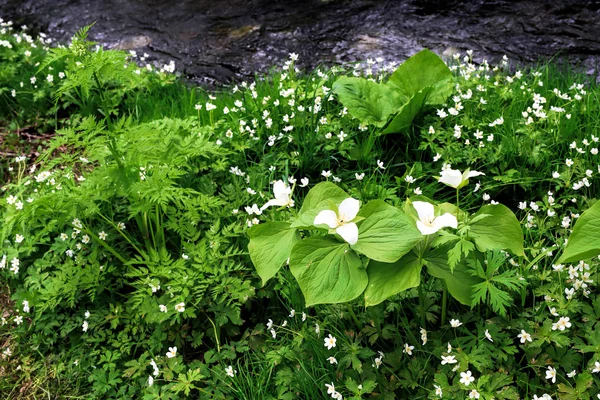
(120, 232)
(353, 315)
(457, 206)
(103, 244)
(422, 307)
(144, 229)
(444, 304)
(159, 230)
(216, 335)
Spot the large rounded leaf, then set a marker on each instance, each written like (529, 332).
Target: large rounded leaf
(584, 242)
(422, 70)
(327, 271)
(407, 113)
(386, 234)
(497, 228)
(369, 102)
(386, 279)
(459, 281)
(270, 246)
(319, 198)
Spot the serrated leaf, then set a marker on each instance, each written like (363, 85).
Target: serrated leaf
(459, 282)
(461, 249)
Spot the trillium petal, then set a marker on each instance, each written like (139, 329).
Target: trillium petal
(270, 203)
(280, 189)
(348, 209)
(276, 202)
(425, 229)
(446, 220)
(451, 177)
(284, 200)
(472, 174)
(326, 217)
(424, 210)
(348, 232)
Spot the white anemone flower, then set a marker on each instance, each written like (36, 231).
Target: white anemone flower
(341, 220)
(282, 194)
(428, 223)
(457, 179)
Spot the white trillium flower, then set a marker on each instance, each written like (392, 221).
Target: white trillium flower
(457, 179)
(282, 194)
(428, 223)
(341, 221)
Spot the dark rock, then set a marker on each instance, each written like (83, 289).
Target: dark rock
(219, 41)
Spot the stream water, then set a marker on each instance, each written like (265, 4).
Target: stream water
(218, 41)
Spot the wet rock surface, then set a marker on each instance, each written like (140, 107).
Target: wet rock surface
(220, 41)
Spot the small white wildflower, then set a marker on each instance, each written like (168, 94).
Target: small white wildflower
(448, 360)
(330, 342)
(172, 352)
(455, 323)
(524, 336)
(551, 374)
(488, 335)
(230, 371)
(466, 378)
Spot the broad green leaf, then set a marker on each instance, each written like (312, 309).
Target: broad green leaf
(386, 280)
(584, 242)
(424, 69)
(459, 282)
(386, 234)
(318, 199)
(369, 102)
(500, 230)
(407, 113)
(327, 271)
(270, 246)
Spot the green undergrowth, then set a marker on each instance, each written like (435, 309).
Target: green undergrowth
(127, 196)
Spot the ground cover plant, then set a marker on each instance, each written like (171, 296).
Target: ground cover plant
(350, 232)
